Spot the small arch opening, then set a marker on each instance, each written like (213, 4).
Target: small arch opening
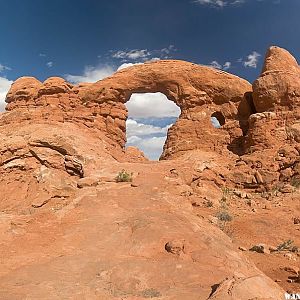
(217, 119)
(150, 115)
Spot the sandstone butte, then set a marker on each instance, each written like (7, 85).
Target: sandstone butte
(68, 230)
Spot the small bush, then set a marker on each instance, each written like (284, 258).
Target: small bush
(151, 293)
(286, 245)
(295, 182)
(226, 192)
(224, 216)
(295, 249)
(209, 203)
(124, 176)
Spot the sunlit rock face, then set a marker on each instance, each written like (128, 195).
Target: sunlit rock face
(272, 141)
(198, 91)
(69, 226)
(253, 125)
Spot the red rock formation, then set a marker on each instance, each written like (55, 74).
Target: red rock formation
(133, 154)
(75, 232)
(273, 135)
(198, 90)
(277, 88)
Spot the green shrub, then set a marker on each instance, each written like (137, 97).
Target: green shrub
(286, 245)
(224, 216)
(124, 176)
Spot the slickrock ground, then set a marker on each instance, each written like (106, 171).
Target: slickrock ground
(183, 227)
(109, 242)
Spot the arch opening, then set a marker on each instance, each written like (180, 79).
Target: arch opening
(217, 119)
(150, 115)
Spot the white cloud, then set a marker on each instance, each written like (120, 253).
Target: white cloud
(252, 60)
(155, 59)
(42, 55)
(224, 3)
(148, 138)
(168, 50)
(4, 68)
(132, 54)
(128, 57)
(135, 129)
(215, 122)
(4, 87)
(216, 65)
(219, 3)
(49, 64)
(127, 65)
(143, 54)
(133, 140)
(227, 65)
(152, 147)
(149, 105)
(91, 74)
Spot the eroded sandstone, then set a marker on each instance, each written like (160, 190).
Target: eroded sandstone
(84, 235)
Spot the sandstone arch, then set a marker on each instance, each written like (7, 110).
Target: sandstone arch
(260, 126)
(197, 90)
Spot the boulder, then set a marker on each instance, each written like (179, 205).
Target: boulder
(278, 87)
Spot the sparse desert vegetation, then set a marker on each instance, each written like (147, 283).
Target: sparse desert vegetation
(124, 176)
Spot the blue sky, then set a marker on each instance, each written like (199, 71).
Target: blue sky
(90, 39)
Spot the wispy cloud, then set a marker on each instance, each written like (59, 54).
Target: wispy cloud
(143, 54)
(91, 74)
(227, 65)
(123, 58)
(132, 54)
(219, 3)
(229, 3)
(49, 64)
(215, 64)
(4, 68)
(252, 60)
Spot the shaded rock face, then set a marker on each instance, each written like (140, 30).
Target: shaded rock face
(199, 91)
